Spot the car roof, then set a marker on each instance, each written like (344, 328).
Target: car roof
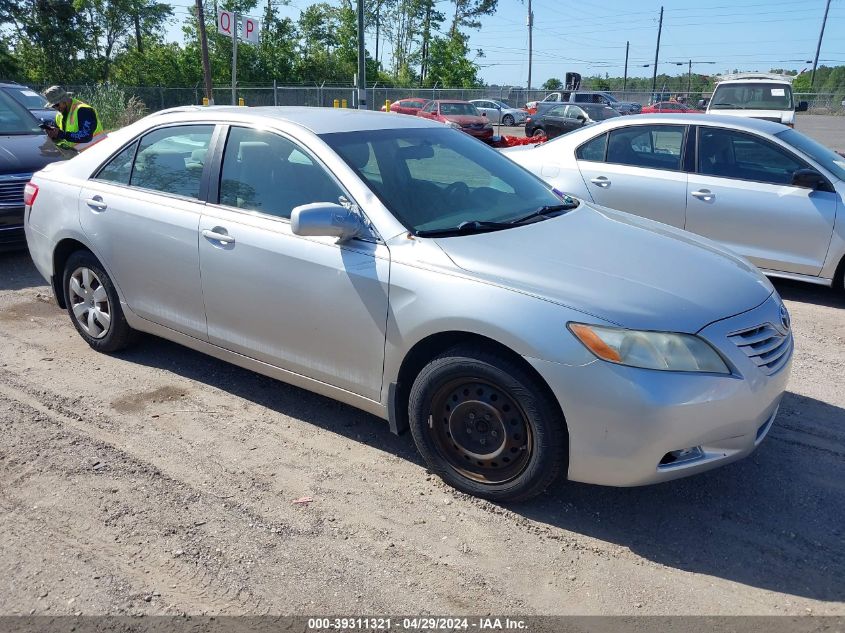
(317, 120)
(755, 125)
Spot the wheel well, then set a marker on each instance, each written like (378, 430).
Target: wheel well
(431, 346)
(839, 276)
(64, 249)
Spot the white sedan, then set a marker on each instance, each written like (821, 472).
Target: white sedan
(760, 188)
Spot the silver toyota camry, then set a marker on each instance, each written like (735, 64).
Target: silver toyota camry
(411, 271)
(760, 188)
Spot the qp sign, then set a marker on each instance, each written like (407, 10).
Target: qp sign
(250, 29)
(225, 22)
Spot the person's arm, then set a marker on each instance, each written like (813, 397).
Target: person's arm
(87, 119)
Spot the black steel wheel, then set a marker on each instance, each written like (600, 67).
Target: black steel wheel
(485, 426)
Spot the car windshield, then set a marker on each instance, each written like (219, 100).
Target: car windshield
(435, 179)
(825, 157)
(466, 109)
(14, 118)
(610, 97)
(29, 99)
(752, 96)
(602, 113)
(502, 105)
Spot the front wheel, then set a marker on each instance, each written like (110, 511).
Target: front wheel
(507, 120)
(485, 426)
(539, 133)
(93, 304)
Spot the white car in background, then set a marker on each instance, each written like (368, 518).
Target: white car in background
(758, 96)
(499, 111)
(760, 188)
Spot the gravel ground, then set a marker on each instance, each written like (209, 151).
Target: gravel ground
(161, 481)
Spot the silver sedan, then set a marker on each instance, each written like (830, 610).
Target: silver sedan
(404, 268)
(500, 112)
(760, 188)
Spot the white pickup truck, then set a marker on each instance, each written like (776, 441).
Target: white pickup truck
(758, 96)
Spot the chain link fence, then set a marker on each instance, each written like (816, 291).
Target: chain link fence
(158, 98)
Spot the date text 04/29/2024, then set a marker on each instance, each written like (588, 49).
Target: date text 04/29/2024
(423, 623)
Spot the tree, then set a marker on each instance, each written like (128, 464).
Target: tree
(468, 12)
(552, 84)
(449, 63)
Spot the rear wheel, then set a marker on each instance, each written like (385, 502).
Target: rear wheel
(508, 120)
(93, 304)
(539, 133)
(485, 427)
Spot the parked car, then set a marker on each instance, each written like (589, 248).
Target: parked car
(497, 111)
(760, 188)
(764, 96)
(586, 96)
(564, 118)
(460, 115)
(670, 107)
(405, 269)
(407, 106)
(30, 100)
(24, 149)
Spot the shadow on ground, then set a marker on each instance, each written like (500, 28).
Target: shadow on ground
(18, 272)
(775, 520)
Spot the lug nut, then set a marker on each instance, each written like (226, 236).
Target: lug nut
(482, 441)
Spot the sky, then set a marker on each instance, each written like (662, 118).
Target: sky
(717, 35)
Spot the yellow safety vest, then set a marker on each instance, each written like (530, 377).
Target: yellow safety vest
(71, 124)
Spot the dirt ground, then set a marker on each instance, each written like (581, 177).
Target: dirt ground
(161, 481)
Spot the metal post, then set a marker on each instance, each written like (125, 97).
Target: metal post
(275, 93)
(625, 78)
(206, 66)
(819, 46)
(689, 78)
(362, 60)
(530, 41)
(657, 53)
(234, 58)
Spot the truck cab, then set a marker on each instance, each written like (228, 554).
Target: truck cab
(756, 95)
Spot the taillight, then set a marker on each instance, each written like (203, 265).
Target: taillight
(528, 120)
(30, 192)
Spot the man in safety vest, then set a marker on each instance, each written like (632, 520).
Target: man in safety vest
(77, 124)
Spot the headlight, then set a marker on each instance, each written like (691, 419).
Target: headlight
(665, 351)
(488, 126)
(452, 124)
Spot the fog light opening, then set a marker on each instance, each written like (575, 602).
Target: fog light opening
(675, 458)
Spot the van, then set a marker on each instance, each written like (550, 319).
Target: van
(758, 96)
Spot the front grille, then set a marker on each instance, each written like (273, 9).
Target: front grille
(11, 190)
(765, 345)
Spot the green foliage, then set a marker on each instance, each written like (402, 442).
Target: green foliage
(115, 108)
(552, 84)
(449, 63)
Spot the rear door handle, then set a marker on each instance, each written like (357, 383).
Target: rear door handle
(601, 181)
(223, 238)
(704, 194)
(97, 203)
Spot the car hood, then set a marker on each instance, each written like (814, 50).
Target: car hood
(464, 119)
(26, 153)
(621, 268)
(778, 116)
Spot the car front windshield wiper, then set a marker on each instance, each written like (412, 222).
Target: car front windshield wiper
(544, 211)
(730, 105)
(465, 228)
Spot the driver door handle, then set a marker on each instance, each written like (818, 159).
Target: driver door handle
(704, 194)
(218, 237)
(601, 181)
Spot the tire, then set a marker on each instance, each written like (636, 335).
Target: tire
(508, 120)
(513, 440)
(538, 133)
(93, 304)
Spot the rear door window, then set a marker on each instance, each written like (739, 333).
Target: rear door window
(593, 150)
(171, 160)
(649, 146)
(119, 168)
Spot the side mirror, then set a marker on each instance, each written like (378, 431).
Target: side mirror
(483, 114)
(325, 219)
(809, 179)
(581, 118)
(803, 106)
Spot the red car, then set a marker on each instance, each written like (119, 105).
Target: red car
(666, 107)
(461, 115)
(407, 106)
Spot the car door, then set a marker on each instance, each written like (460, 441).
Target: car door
(484, 108)
(575, 117)
(740, 195)
(554, 121)
(641, 171)
(141, 211)
(306, 304)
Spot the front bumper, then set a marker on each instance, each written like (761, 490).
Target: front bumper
(624, 421)
(484, 133)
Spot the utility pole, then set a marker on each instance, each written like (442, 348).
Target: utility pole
(378, 15)
(819, 46)
(234, 58)
(625, 78)
(362, 60)
(426, 38)
(206, 67)
(530, 41)
(657, 53)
